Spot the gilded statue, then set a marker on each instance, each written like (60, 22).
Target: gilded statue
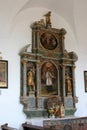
(62, 110)
(69, 84)
(31, 83)
(48, 21)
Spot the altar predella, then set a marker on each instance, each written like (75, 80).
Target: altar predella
(47, 72)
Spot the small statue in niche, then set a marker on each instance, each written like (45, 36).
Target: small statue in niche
(31, 83)
(62, 110)
(68, 83)
(49, 83)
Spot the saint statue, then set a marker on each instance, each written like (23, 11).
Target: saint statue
(69, 84)
(48, 21)
(62, 110)
(31, 83)
(49, 83)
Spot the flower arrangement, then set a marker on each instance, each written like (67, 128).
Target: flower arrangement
(54, 111)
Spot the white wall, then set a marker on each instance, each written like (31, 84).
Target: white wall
(80, 9)
(11, 111)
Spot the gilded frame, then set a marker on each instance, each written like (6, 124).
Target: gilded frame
(85, 80)
(3, 74)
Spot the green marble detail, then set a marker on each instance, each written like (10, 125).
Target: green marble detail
(43, 113)
(36, 113)
(69, 112)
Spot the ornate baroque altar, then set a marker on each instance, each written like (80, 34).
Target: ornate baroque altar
(47, 71)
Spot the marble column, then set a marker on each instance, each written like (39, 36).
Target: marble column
(73, 77)
(24, 62)
(38, 39)
(63, 76)
(58, 84)
(38, 77)
(33, 41)
(62, 33)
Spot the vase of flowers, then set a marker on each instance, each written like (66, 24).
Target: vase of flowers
(54, 111)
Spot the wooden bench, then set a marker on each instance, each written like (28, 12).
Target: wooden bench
(27, 126)
(6, 127)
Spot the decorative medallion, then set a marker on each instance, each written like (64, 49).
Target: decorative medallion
(48, 41)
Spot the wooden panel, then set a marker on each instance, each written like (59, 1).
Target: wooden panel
(6, 127)
(66, 124)
(27, 126)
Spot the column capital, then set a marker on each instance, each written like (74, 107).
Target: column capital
(24, 62)
(73, 67)
(63, 65)
(38, 63)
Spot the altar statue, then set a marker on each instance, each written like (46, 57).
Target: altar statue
(31, 83)
(69, 84)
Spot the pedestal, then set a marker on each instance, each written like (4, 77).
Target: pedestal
(31, 94)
